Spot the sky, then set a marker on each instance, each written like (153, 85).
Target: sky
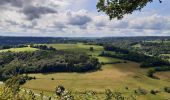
(79, 18)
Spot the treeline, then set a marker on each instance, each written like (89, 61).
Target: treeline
(42, 47)
(45, 61)
(146, 61)
(154, 48)
(12, 46)
(115, 49)
(33, 40)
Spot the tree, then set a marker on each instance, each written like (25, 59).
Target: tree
(150, 73)
(91, 49)
(119, 8)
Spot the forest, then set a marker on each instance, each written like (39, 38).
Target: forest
(45, 61)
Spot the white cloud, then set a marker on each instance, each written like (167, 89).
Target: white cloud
(58, 18)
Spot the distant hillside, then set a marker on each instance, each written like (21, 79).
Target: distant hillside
(41, 40)
(25, 40)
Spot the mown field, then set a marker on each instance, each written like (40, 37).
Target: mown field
(28, 49)
(112, 76)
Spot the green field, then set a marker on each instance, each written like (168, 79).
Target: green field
(28, 49)
(109, 59)
(111, 76)
(137, 46)
(114, 77)
(78, 48)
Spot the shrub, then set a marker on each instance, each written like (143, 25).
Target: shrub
(63, 94)
(108, 94)
(91, 49)
(141, 91)
(34, 78)
(124, 61)
(154, 92)
(150, 72)
(167, 89)
(118, 96)
(59, 90)
(126, 88)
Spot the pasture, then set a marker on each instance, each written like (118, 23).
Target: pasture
(163, 75)
(111, 76)
(79, 47)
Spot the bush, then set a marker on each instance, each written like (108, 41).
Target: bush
(154, 92)
(141, 91)
(126, 88)
(34, 78)
(91, 49)
(59, 90)
(118, 96)
(125, 62)
(167, 89)
(108, 94)
(63, 94)
(151, 72)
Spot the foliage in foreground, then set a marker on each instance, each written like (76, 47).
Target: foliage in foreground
(13, 91)
(119, 8)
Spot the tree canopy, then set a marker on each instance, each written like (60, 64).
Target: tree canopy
(119, 8)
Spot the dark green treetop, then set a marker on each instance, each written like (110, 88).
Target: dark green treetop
(119, 8)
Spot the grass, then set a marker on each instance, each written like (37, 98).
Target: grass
(137, 46)
(79, 47)
(163, 75)
(109, 59)
(28, 49)
(98, 80)
(111, 76)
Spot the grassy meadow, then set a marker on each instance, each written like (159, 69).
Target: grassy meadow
(111, 76)
(163, 75)
(114, 77)
(79, 47)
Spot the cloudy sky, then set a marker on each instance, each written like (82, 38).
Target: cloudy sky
(79, 18)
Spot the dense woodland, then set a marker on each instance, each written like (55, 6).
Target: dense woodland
(44, 61)
(147, 61)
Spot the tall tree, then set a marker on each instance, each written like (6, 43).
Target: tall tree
(119, 8)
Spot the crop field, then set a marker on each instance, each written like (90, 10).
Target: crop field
(28, 49)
